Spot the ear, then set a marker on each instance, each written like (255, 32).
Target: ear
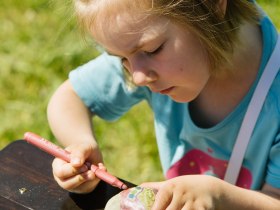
(222, 4)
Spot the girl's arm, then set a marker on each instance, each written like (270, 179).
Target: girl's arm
(271, 191)
(239, 198)
(207, 192)
(69, 119)
(71, 123)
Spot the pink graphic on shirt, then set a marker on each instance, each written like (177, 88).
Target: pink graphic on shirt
(198, 162)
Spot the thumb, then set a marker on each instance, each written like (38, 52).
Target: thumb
(153, 185)
(78, 154)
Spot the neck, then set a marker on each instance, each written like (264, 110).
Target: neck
(221, 95)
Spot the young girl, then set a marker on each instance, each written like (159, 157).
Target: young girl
(197, 63)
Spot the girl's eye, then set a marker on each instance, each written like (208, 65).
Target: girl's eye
(156, 51)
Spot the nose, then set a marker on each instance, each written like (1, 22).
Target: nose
(141, 78)
(142, 73)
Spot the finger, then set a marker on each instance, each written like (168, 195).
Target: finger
(189, 204)
(163, 199)
(76, 181)
(153, 185)
(86, 187)
(63, 170)
(186, 207)
(101, 166)
(79, 154)
(176, 203)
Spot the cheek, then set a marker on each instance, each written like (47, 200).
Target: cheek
(191, 74)
(192, 52)
(182, 63)
(195, 63)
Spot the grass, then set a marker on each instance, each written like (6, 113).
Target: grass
(40, 44)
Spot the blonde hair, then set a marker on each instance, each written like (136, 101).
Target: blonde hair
(217, 31)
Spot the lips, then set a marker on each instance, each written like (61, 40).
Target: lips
(162, 91)
(166, 91)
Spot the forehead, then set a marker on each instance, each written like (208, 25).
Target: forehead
(107, 12)
(110, 12)
(125, 27)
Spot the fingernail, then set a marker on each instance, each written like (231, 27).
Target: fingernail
(83, 169)
(90, 175)
(76, 161)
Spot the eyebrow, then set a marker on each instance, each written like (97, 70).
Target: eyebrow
(137, 47)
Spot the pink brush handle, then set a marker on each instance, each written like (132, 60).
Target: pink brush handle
(58, 152)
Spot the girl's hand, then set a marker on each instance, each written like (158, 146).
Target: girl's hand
(188, 192)
(75, 176)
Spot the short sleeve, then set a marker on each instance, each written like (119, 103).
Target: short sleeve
(101, 85)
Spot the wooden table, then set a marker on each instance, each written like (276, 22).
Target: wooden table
(26, 182)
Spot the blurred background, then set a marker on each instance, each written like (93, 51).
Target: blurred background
(40, 44)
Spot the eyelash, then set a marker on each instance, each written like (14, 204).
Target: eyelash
(153, 53)
(156, 51)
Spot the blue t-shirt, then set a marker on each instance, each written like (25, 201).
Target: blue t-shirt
(184, 147)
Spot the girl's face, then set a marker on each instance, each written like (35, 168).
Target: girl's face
(159, 54)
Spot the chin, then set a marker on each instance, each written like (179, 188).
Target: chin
(181, 99)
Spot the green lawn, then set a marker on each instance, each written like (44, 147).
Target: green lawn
(40, 44)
